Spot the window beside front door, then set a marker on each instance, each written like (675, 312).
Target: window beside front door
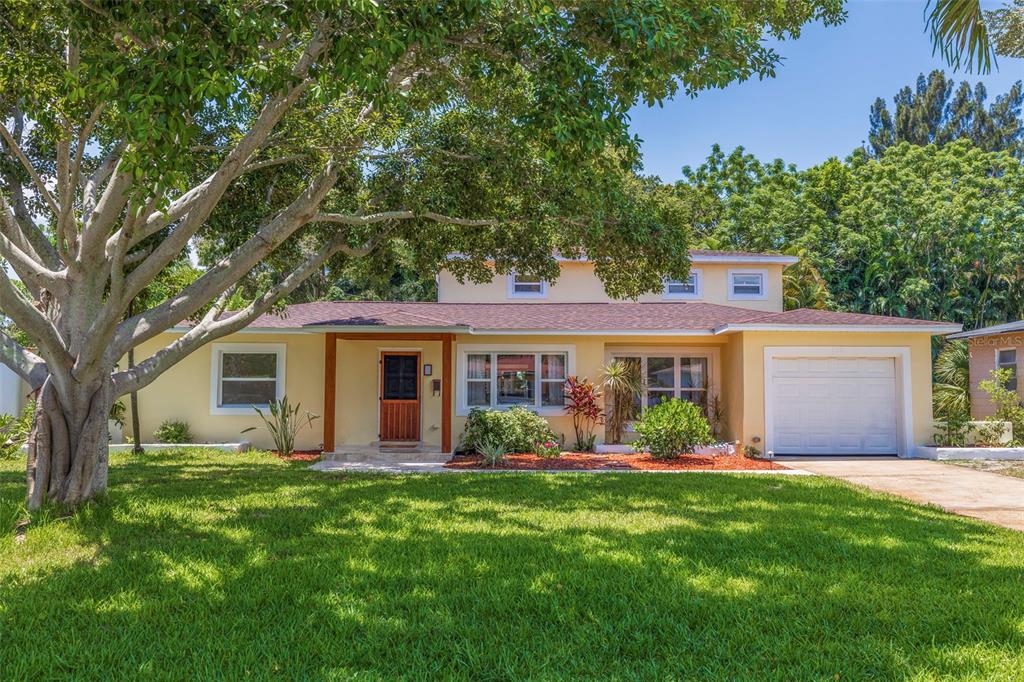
(503, 379)
(1006, 358)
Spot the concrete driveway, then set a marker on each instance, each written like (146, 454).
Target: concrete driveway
(983, 495)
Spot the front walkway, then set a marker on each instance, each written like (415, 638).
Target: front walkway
(982, 495)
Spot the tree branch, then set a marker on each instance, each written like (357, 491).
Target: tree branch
(212, 328)
(195, 206)
(225, 273)
(404, 215)
(13, 149)
(26, 316)
(23, 362)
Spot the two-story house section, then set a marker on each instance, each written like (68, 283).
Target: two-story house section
(387, 373)
(745, 280)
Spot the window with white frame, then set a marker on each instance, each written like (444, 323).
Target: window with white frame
(747, 284)
(504, 378)
(523, 286)
(246, 375)
(668, 375)
(1006, 358)
(688, 288)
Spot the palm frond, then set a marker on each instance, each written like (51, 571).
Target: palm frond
(959, 33)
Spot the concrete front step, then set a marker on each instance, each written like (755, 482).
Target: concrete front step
(376, 455)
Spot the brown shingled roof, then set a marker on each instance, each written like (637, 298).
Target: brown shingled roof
(568, 317)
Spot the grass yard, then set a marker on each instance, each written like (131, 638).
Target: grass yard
(1013, 468)
(216, 565)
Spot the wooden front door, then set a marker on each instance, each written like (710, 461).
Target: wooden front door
(399, 396)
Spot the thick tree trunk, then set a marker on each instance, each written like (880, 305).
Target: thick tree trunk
(68, 446)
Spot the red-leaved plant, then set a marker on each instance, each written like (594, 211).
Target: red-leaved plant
(581, 401)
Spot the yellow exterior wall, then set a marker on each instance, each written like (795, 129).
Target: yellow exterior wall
(591, 355)
(357, 386)
(183, 391)
(754, 343)
(579, 284)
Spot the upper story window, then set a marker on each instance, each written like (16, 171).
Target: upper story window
(1006, 358)
(689, 288)
(522, 286)
(246, 375)
(747, 285)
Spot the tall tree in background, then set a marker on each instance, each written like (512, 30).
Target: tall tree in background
(937, 111)
(922, 231)
(497, 129)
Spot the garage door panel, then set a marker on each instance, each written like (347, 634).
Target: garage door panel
(834, 405)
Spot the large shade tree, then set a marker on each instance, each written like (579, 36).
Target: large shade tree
(280, 138)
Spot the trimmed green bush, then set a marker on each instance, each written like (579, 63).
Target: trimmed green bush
(672, 428)
(516, 430)
(173, 431)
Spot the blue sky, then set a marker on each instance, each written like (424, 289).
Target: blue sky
(817, 105)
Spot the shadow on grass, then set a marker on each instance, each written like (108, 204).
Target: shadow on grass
(227, 566)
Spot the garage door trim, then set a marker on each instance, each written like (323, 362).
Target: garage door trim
(901, 357)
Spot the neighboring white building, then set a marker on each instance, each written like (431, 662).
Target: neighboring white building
(12, 391)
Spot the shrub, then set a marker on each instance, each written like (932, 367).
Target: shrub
(14, 431)
(493, 453)
(516, 429)
(1006, 402)
(952, 433)
(550, 448)
(284, 422)
(751, 452)
(581, 398)
(672, 428)
(174, 432)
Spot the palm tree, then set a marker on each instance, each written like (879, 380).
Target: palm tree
(966, 35)
(951, 395)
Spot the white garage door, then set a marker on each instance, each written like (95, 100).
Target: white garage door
(833, 406)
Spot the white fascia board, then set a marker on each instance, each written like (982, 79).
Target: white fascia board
(321, 329)
(778, 260)
(592, 332)
(865, 328)
(696, 258)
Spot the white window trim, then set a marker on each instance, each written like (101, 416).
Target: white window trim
(1016, 363)
(216, 352)
(711, 354)
(512, 293)
(698, 280)
(904, 390)
(464, 350)
(748, 297)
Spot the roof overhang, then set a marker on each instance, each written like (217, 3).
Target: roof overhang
(934, 329)
(744, 258)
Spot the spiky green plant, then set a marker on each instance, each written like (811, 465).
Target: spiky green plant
(622, 384)
(951, 395)
(284, 423)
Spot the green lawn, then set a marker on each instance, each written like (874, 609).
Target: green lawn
(215, 565)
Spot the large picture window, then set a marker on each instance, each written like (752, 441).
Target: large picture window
(501, 379)
(668, 375)
(244, 375)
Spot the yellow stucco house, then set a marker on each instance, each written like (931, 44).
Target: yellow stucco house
(793, 382)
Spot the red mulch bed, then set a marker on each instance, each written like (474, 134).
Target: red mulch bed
(300, 456)
(587, 461)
